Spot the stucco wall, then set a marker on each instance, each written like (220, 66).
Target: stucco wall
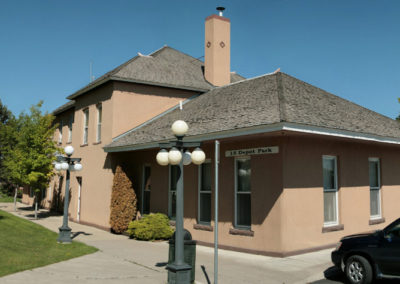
(303, 217)
(266, 182)
(134, 104)
(287, 191)
(124, 106)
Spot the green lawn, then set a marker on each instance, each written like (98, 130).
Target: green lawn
(8, 199)
(26, 245)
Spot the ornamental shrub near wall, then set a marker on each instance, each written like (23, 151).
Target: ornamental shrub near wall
(151, 227)
(123, 202)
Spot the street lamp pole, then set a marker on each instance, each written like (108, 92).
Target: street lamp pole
(68, 164)
(179, 271)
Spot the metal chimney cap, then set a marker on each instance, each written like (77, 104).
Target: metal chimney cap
(220, 9)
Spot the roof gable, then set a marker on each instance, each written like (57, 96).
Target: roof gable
(165, 67)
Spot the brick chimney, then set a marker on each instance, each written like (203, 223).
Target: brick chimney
(217, 49)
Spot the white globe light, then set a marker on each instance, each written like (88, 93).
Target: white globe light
(57, 166)
(162, 157)
(78, 167)
(187, 158)
(174, 156)
(64, 166)
(179, 128)
(69, 150)
(198, 156)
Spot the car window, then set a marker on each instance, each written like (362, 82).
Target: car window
(394, 232)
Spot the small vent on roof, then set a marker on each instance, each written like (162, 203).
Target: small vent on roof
(142, 55)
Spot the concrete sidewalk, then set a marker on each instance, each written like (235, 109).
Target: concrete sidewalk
(122, 260)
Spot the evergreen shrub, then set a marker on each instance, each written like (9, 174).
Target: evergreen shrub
(123, 202)
(154, 226)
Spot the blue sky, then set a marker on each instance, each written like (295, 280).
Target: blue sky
(349, 48)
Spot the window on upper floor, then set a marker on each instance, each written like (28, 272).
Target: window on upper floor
(71, 119)
(85, 126)
(60, 127)
(99, 118)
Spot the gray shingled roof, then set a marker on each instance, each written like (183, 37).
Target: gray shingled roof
(64, 107)
(266, 100)
(166, 67)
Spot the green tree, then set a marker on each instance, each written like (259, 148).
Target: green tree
(6, 124)
(29, 162)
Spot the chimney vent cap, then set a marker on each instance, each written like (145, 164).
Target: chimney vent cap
(220, 9)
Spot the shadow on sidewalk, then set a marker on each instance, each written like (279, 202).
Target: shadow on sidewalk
(42, 213)
(205, 274)
(75, 234)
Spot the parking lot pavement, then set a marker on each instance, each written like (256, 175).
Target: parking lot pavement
(122, 260)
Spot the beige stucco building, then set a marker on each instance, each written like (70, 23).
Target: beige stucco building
(299, 167)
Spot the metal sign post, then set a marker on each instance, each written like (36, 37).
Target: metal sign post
(216, 213)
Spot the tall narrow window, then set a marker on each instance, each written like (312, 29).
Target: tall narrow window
(71, 119)
(374, 186)
(85, 126)
(60, 127)
(205, 193)
(146, 189)
(99, 118)
(329, 166)
(242, 193)
(173, 178)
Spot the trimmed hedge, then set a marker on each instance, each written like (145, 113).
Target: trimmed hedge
(123, 202)
(151, 227)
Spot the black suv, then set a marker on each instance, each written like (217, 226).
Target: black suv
(364, 257)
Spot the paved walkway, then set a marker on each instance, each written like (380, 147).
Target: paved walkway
(122, 260)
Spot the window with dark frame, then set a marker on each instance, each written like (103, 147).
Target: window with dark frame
(204, 214)
(146, 189)
(243, 193)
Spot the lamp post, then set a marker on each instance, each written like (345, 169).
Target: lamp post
(69, 164)
(179, 271)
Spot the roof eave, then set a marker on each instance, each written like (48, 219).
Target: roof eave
(282, 126)
(136, 81)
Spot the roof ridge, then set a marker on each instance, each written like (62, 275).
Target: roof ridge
(245, 80)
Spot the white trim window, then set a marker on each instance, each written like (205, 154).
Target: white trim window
(375, 187)
(71, 119)
(146, 188)
(99, 119)
(242, 193)
(60, 134)
(204, 197)
(85, 126)
(173, 178)
(329, 168)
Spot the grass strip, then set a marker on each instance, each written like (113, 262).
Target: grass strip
(26, 245)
